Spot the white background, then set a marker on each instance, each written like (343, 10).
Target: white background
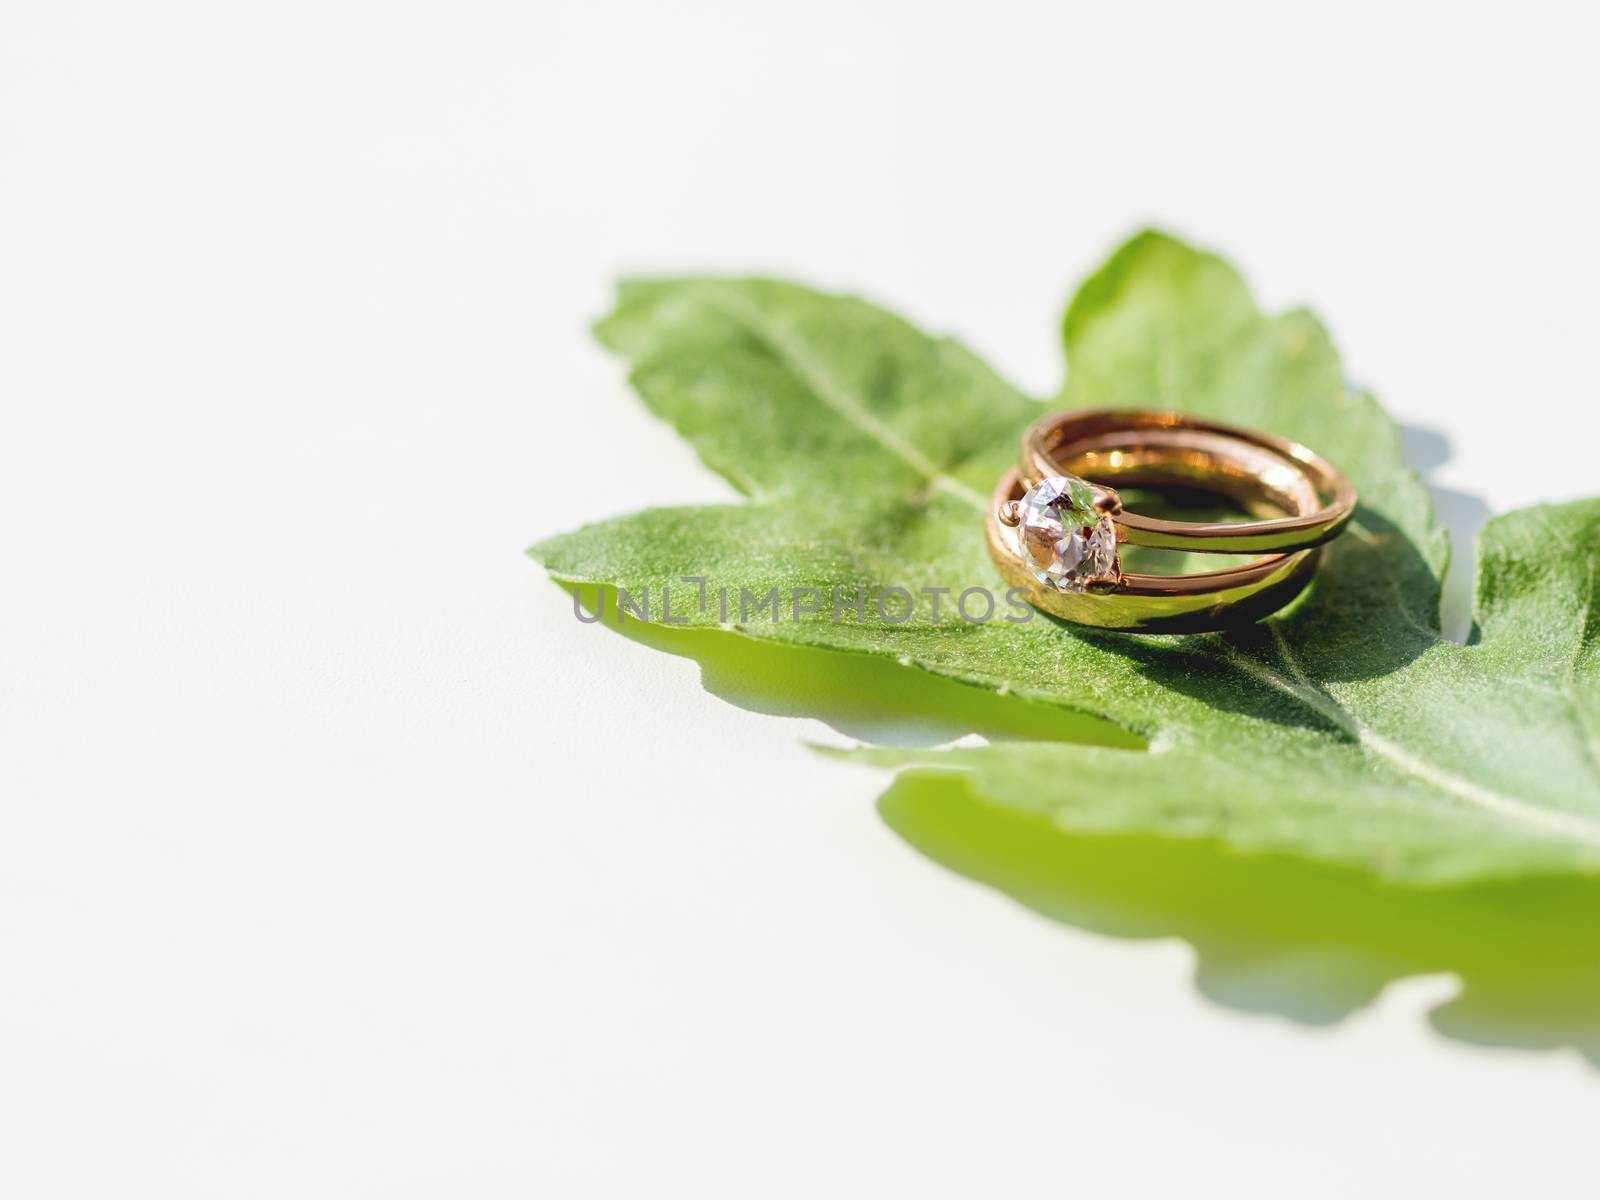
(337, 860)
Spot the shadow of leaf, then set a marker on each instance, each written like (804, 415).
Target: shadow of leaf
(1274, 935)
(869, 699)
(1461, 513)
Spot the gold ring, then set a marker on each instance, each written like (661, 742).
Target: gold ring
(1056, 535)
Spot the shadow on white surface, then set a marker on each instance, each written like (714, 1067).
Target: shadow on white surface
(1462, 514)
(1271, 935)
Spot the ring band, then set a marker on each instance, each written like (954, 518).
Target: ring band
(1244, 465)
(1055, 536)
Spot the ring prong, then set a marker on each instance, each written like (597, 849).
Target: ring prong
(1011, 513)
(1107, 500)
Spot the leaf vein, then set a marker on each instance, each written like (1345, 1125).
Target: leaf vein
(1546, 820)
(804, 366)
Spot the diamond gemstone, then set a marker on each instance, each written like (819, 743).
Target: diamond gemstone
(1067, 541)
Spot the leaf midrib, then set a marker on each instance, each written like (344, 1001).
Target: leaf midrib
(1571, 825)
(821, 385)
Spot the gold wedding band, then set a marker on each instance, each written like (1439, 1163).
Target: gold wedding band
(1055, 534)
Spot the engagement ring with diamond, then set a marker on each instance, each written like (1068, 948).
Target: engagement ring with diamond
(1056, 535)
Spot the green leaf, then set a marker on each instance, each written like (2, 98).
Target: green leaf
(1347, 730)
